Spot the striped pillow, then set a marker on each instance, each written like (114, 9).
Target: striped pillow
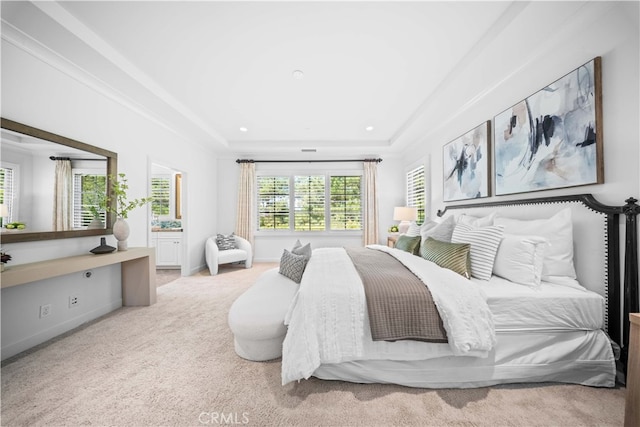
(413, 230)
(454, 256)
(484, 243)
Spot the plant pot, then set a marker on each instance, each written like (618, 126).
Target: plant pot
(121, 233)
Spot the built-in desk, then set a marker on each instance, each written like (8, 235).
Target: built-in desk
(138, 272)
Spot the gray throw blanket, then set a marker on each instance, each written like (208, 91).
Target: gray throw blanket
(399, 304)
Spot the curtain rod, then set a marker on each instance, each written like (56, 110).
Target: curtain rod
(69, 158)
(306, 161)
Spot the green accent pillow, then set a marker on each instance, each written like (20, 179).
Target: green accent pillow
(409, 244)
(454, 256)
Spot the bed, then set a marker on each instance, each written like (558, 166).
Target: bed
(560, 328)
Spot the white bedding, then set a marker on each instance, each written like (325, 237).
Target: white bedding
(328, 323)
(549, 307)
(547, 334)
(577, 357)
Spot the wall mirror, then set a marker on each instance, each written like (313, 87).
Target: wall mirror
(52, 187)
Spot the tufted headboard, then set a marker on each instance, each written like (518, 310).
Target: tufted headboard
(597, 248)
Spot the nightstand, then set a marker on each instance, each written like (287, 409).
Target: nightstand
(391, 240)
(632, 410)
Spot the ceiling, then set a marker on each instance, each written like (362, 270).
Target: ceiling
(207, 69)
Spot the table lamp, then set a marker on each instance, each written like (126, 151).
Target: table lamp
(405, 215)
(4, 212)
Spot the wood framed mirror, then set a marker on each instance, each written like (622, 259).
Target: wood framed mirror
(30, 158)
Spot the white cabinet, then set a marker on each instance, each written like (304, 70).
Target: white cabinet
(168, 248)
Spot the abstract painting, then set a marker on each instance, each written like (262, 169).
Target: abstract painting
(552, 139)
(465, 162)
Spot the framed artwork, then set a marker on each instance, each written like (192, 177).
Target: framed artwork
(552, 139)
(465, 165)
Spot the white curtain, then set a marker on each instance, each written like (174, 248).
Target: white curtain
(370, 214)
(63, 196)
(246, 201)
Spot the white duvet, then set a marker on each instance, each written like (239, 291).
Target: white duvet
(328, 321)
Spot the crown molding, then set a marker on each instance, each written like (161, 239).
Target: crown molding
(76, 27)
(34, 48)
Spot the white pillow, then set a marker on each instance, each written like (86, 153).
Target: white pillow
(484, 221)
(305, 250)
(558, 231)
(413, 230)
(484, 243)
(520, 258)
(439, 231)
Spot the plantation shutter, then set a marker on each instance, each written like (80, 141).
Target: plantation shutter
(7, 192)
(416, 191)
(161, 195)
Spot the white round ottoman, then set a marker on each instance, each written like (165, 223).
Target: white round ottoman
(256, 318)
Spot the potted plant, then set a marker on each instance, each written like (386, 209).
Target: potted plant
(123, 206)
(4, 258)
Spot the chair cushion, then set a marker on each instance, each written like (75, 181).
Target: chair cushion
(231, 255)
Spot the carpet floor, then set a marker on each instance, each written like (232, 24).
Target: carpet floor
(164, 276)
(173, 364)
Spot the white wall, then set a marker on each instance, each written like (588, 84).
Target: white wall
(613, 35)
(22, 327)
(42, 96)
(269, 246)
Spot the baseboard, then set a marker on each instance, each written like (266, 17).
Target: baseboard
(41, 337)
(198, 269)
(266, 260)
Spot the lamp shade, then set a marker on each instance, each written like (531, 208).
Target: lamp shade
(4, 211)
(405, 213)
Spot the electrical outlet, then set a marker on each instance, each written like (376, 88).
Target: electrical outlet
(45, 310)
(73, 301)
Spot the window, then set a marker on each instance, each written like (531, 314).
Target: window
(346, 203)
(273, 202)
(315, 198)
(309, 203)
(7, 190)
(416, 191)
(88, 198)
(161, 195)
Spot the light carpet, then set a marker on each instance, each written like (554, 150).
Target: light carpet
(173, 364)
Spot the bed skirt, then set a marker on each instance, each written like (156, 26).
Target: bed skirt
(576, 357)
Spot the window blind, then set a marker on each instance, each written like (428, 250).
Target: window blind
(416, 191)
(7, 190)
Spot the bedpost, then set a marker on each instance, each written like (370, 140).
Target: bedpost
(614, 288)
(631, 210)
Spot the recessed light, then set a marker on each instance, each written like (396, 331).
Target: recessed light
(298, 75)
(369, 128)
(244, 129)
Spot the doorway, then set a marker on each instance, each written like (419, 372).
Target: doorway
(167, 219)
